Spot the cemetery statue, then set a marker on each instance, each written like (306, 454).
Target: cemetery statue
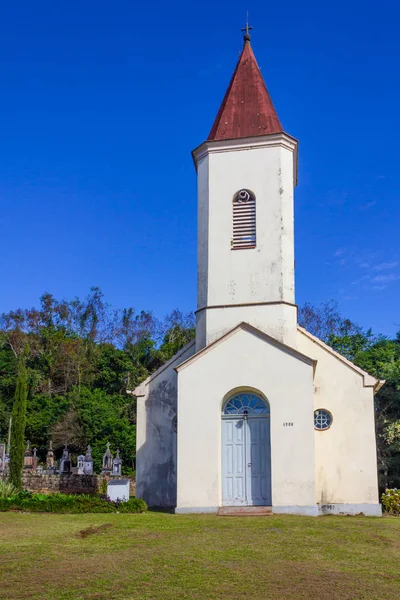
(107, 461)
(65, 462)
(88, 462)
(117, 465)
(50, 456)
(28, 456)
(81, 464)
(35, 460)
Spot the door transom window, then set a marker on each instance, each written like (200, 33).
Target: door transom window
(246, 403)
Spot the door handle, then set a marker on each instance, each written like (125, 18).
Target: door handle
(249, 464)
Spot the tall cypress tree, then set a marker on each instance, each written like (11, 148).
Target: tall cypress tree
(17, 446)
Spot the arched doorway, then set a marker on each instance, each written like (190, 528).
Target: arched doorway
(246, 451)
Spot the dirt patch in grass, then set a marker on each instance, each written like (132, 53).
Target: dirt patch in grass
(93, 530)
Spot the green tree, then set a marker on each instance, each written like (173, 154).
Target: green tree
(326, 322)
(18, 425)
(105, 418)
(180, 329)
(382, 359)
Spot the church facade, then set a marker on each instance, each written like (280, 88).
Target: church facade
(255, 412)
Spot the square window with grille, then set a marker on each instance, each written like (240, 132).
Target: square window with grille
(244, 220)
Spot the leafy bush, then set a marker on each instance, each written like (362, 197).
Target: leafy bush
(391, 501)
(134, 505)
(69, 503)
(7, 489)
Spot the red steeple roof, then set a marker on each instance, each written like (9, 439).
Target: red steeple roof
(247, 108)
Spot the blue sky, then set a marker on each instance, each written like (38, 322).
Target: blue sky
(102, 103)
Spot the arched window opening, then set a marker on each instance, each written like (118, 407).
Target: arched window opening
(246, 403)
(244, 220)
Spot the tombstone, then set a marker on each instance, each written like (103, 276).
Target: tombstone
(50, 457)
(40, 470)
(118, 489)
(81, 463)
(35, 460)
(65, 462)
(107, 461)
(88, 462)
(117, 465)
(28, 456)
(2, 457)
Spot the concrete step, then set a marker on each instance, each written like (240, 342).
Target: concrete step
(245, 511)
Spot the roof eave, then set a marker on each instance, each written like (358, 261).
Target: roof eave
(368, 380)
(249, 328)
(248, 143)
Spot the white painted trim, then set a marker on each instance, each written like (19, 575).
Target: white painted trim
(369, 380)
(249, 143)
(307, 511)
(369, 510)
(261, 141)
(254, 331)
(195, 510)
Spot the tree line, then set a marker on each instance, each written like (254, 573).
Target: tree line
(82, 357)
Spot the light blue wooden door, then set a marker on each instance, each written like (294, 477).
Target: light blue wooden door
(246, 462)
(233, 462)
(258, 457)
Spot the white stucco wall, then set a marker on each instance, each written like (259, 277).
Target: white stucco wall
(345, 454)
(244, 360)
(155, 435)
(265, 273)
(277, 320)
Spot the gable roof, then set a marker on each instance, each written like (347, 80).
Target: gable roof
(254, 331)
(247, 108)
(369, 380)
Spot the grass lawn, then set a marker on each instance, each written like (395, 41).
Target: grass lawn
(155, 555)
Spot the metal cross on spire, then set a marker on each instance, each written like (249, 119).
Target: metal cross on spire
(248, 28)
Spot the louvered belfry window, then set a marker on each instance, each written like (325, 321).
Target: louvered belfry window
(244, 220)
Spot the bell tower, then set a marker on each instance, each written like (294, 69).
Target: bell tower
(247, 171)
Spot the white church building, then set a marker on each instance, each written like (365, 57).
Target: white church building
(256, 411)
